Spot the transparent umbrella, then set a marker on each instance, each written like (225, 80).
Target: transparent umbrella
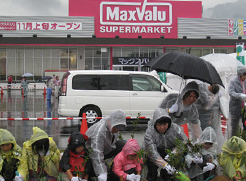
(27, 75)
(223, 63)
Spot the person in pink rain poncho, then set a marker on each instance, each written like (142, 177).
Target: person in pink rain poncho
(127, 166)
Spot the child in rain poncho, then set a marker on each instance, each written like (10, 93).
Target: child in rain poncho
(233, 158)
(40, 158)
(10, 155)
(200, 166)
(126, 164)
(73, 158)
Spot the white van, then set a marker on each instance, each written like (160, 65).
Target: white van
(99, 92)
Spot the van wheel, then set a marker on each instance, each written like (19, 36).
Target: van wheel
(92, 112)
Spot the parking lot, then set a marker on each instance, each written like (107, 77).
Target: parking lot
(35, 105)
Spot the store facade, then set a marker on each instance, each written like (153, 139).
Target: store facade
(98, 35)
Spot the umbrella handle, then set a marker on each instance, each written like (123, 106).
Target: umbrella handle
(178, 116)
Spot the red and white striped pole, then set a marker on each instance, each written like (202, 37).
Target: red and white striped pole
(61, 118)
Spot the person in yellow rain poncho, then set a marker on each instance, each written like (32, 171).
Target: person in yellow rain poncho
(233, 159)
(40, 158)
(10, 155)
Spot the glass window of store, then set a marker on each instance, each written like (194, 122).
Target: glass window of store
(2, 63)
(97, 58)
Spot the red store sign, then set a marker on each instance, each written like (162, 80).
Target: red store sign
(129, 19)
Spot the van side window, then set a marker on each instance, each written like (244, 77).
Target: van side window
(100, 82)
(114, 82)
(145, 83)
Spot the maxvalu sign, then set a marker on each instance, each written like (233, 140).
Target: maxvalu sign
(130, 19)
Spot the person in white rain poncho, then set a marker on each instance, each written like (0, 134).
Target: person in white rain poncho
(203, 164)
(237, 99)
(182, 110)
(209, 109)
(103, 141)
(160, 136)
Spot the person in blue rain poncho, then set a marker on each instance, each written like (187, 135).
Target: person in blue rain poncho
(182, 110)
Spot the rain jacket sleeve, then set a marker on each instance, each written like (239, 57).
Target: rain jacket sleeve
(151, 148)
(54, 153)
(64, 163)
(23, 168)
(97, 155)
(118, 165)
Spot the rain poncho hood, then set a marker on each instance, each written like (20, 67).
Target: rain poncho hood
(241, 71)
(15, 152)
(38, 134)
(30, 157)
(235, 146)
(209, 136)
(153, 140)
(188, 114)
(131, 147)
(122, 163)
(76, 139)
(232, 158)
(102, 140)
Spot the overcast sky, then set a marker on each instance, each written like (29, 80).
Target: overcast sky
(57, 7)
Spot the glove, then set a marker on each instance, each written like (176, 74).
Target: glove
(166, 158)
(243, 96)
(131, 177)
(75, 179)
(19, 178)
(174, 108)
(209, 167)
(137, 177)
(102, 177)
(170, 170)
(1, 178)
(182, 177)
(197, 159)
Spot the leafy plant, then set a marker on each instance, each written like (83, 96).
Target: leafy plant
(135, 124)
(141, 154)
(41, 162)
(10, 167)
(176, 158)
(241, 133)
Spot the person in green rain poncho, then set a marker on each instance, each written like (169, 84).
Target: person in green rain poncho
(233, 159)
(10, 155)
(40, 158)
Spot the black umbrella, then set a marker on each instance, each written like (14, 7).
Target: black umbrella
(186, 66)
(47, 77)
